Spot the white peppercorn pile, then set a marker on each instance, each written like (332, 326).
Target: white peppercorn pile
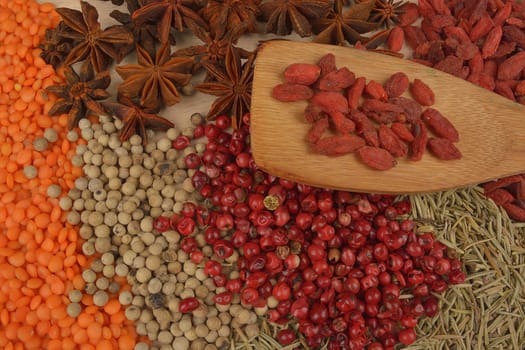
(126, 185)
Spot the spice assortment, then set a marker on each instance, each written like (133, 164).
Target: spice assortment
(384, 126)
(116, 237)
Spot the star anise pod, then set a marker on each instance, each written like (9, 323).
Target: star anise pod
(340, 27)
(155, 80)
(283, 15)
(135, 118)
(144, 34)
(228, 15)
(80, 93)
(386, 12)
(55, 46)
(101, 46)
(213, 48)
(233, 85)
(168, 14)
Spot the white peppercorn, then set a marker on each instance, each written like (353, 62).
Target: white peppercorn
(74, 309)
(100, 298)
(40, 144)
(132, 313)
(30, 172)
(181, 343)
(75, 296)
(72, 136)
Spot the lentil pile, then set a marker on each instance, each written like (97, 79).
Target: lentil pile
(41, 306)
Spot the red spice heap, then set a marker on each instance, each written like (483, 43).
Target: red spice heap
(336, 262)
(384, 126)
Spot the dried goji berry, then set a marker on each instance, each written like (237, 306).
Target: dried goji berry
(396, 39)
(380, 106)
(376, 90)
(302, 73)
(342, 124)
(327, 64)
(443, 149)
(514, 211)
(397, 84)
(422, 93)
(409, 14)
(330, 101)
(500, 196)
(338, 145)
(418, 146)
(402, 132)
(492, 42)
(317, 130)
(502, 14)
(292, 92)
(355, 92)
(376, 158)
(512, 67)
(481, 28)
(411, 108)
(440, 124)
(389, 141)
(365, 128)
(313, 112)
(451, 64)
(414, 36)
(337, 80)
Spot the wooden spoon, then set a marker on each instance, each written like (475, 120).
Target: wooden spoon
(491, 127)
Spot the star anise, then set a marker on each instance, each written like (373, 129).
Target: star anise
(228, 15)
(101, 46)
(155, 80)
(144, 34)
(213, 48)
(340, 27)
(55, 47)
(386, 12)
(168, 14)
(80, 93)
(283, 15)
(233, 85)
(135, 119)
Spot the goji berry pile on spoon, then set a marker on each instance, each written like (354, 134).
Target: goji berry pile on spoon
(491, 127)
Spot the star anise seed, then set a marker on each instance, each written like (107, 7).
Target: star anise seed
(386, 12)
(213, 48)
(155, 80)
(55, 46)
(282, 16)
(168, 14)
(145, 34)
(101, 46)
(228, 15)
(135, 119)
(340, 27)
(80, 93)
(233, 85)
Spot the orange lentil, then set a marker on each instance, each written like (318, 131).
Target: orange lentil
(40, 260)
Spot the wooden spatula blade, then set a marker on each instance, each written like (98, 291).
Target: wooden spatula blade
(491, 127)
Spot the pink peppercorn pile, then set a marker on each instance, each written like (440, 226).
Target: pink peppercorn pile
(335, 262)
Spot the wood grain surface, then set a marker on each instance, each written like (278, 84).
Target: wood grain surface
(491, 127)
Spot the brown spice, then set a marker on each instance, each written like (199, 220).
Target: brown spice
(101, 46)
(232, 85)
(155, 80)
(80, 93)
